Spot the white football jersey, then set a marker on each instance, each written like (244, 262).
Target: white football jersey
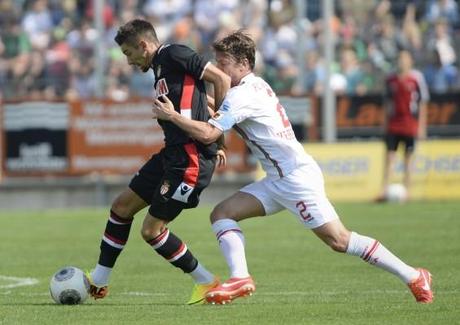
(255, 112)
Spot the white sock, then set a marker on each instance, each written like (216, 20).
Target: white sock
(201, 276)
(100, 275)
(231, 242)
(371, 251)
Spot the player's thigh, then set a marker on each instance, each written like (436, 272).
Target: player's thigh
(127, 204)
(148, 179)
(239, 206)
(409, 143)
(180, 188)
(391, 142)
(188, 181)
(302, 192)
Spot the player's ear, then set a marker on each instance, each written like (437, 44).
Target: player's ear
(245, 63)
(143, 44)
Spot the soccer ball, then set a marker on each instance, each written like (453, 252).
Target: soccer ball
(69, 286)
(396, 192)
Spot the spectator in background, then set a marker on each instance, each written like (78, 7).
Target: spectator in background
(207, 15)
(442, 42)
(405, 104)
(37, 23)
(282, 76)
(314, 73)
(440, 78)
(446, 9)
(353, 73)
(83, 39)
(184, 32)
(82, 80)
(58, 73)
(375, 30)
(15, 41)
(36, 79)
(166, 13)
(388, 40)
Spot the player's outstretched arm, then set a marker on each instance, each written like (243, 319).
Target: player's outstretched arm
(201, 131)
(221, 84)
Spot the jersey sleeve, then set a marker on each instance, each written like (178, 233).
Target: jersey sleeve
(424, 93)
(231, 112)
(187, 60)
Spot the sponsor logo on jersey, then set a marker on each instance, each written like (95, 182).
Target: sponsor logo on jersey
(161, 87)
(164, 188)
(184, 188)
(183, 192)
(217, 116)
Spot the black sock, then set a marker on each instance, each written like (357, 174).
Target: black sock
(114, 239)
(174, 251)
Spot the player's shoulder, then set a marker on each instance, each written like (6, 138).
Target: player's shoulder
(246, 85)
(416, 74)
(174, 49)
(392, 77)
(234, 96)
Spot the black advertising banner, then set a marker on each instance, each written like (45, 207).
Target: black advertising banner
(35, 138)
(363, 116)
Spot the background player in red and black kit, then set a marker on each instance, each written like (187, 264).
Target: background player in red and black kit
(406, 99)
(172, 179)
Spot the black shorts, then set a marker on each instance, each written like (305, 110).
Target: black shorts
(173, 179)
(392, 141)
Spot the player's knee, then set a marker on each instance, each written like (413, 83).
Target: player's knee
(221, 211)
(121, 209)
(148, 233)
(339, 243)
(338, 246)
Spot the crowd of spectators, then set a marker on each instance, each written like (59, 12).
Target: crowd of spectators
(47, 47)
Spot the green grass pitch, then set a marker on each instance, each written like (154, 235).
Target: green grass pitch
(299, 280)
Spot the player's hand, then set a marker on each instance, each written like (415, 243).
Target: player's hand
(163, 109)
(221, 158)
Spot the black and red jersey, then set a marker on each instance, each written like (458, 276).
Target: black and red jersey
(405, 94)
(178, 74)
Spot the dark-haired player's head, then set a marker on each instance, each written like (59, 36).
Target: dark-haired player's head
(405, 61)
(235, 55)
(138, 41)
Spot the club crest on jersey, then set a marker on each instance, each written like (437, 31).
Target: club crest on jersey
(161, 88)
(164, 188)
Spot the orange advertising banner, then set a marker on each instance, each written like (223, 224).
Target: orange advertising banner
(111, 137)
(118, 138)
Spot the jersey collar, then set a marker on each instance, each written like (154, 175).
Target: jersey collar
(159, 49)
(246, 78)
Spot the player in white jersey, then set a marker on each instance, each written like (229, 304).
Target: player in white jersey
(294, 181)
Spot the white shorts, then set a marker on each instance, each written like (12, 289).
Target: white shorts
(301, 192)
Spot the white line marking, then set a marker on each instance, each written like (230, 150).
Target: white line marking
(17, 282)
(137, 293)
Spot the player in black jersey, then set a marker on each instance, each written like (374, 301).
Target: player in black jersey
(172, 179)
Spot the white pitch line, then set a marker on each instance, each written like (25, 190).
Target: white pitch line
(137, 293)
(17, 282)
